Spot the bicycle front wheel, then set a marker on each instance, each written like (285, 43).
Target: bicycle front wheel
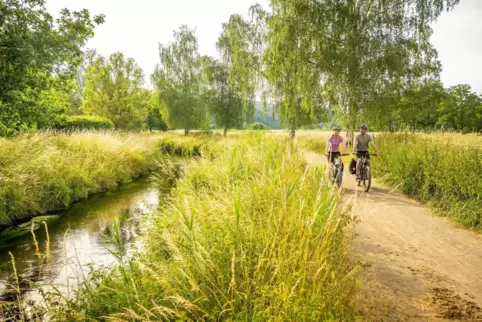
(367, 179)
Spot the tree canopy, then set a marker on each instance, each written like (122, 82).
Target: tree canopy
(38, 60)
(353, 51)
(113, 90)
(223, 99)
(178, 81)
(310, 62)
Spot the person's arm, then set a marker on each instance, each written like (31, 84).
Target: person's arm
(355, 145)
(328, 146)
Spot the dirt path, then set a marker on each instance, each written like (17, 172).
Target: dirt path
(416, 267)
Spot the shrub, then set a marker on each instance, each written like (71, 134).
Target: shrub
(86, 122)
(258, 126)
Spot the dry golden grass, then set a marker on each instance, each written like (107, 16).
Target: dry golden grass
(249, 234)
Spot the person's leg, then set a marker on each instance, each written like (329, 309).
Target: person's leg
(330, 165)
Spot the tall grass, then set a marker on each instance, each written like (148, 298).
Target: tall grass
(446, 175)
(313, 144)
(251, 234)
(49, 171)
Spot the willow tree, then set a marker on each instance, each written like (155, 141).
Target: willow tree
(178, 82)
(295, 79)
(359, 47)
(224, 100)
(241, 48)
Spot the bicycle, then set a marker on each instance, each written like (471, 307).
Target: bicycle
(365, 172)
(337, 171)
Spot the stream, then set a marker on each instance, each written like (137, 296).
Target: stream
(77, 238)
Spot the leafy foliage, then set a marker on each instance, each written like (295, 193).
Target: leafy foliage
(154, 116)
(38, 60)
(224, 101)
(113, 90)
(295, 82)
(415, 107)
(241, 46)
(85, 122)
(77, 98)
(178, 81)
(265, 114)
(258, 126)
(361, 49)
(426, 106)
(461, 110)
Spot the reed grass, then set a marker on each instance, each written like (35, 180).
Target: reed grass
(445, 174)
(250, 233)
(49, 171)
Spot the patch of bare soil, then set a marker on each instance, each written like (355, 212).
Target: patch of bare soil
(454, 307)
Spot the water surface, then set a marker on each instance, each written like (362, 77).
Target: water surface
(78, 237)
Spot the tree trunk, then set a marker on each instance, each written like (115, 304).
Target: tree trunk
(292, 133)
(186, 132)
(349, 137)
(352, 120)
(225, 134)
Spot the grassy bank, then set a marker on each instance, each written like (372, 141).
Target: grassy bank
(49, 171)
(446, 175)
(249, 234)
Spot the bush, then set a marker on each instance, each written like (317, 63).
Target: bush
(448, 176)
(258, 126)
(86, 122)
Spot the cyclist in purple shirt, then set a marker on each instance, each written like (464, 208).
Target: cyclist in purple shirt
(333, 147)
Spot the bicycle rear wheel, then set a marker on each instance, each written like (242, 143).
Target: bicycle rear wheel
(339, 178)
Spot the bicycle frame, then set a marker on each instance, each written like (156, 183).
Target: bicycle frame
(337, 170)
(364, 163)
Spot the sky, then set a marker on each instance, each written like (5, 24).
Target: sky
(137, 27)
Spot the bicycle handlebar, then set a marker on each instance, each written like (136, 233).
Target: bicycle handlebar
(370, 154)
(342, 154)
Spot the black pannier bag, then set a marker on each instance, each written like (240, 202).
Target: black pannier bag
(352, 168)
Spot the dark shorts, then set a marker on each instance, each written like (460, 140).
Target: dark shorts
(359, 154)
(333, 156)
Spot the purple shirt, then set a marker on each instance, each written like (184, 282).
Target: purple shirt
(335, 144)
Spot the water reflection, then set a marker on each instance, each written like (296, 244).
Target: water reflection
(77, 239)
